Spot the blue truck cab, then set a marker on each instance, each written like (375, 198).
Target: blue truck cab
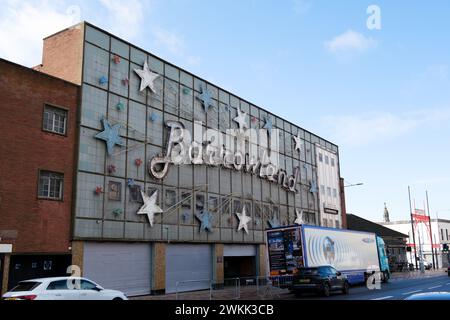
(384, 262)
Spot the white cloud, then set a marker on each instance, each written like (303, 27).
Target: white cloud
(174, 44)
(348, 42)
(357, 130)
(23, 26)
(124, 17)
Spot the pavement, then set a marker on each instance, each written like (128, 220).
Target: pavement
(401, 285)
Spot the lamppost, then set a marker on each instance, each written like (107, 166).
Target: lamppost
(354, 185)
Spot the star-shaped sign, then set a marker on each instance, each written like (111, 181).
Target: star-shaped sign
(274, 223)
(205, 218)
(110, 134)
(299, 219)
(147, 78)
(298, 143)
(206, 98)
(243, 220)
(240, 119)
(150, 207)
(313, 186)
(268, 125)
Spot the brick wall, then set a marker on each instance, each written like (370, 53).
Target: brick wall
(63, 54)
(31, 224)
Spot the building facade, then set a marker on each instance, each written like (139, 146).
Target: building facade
(440, 229)
(37, 143)
(143, 222)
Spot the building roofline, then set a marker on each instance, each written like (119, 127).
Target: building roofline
(37, 72)
(195, 76)
(409, 221)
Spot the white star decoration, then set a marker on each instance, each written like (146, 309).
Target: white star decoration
(299, 219)
(150, 207)
(240, 119)
(298, 143)
(147, 78)
(243, 220)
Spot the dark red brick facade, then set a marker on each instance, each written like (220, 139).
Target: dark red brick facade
(33, 225)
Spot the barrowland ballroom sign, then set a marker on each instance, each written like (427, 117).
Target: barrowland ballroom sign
(236, 149)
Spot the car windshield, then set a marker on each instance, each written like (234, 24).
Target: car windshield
(308, 271)
(25, 286)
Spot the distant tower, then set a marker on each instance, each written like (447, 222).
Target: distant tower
(386, 214)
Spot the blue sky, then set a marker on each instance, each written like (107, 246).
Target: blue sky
(382, 95)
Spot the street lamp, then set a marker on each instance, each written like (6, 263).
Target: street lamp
(354, 185)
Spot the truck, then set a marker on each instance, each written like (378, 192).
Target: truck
(356, 254)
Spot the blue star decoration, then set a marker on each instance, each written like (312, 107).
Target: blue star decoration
(274, 223)
(313, 185)
(153, 117)
(185, 216)
(268, 124)
(110, 134)
(206, 98)
(130, 182)
(102, 80)
(205, 218)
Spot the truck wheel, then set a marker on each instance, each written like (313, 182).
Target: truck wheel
(326, 290)
(385, 278)
(346, 288)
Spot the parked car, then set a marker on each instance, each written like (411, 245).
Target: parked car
(430, 296)
(323, 280)
(62, 288)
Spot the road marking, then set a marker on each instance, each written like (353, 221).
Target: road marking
(435, 287)
(382, 298)
(411, 292)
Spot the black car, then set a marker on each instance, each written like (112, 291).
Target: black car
(323, 280)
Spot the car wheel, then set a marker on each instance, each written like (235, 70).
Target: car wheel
(117, 299)
(346, 288)
(326, 290)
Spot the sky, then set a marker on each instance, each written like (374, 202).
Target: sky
(376, 83)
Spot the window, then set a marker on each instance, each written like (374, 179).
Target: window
(135, 193)
(87, 285)
(50, 185)
(334, 192)
(442, 234)
(329, 191)
(332, 161)
(58, 285)
(322, 189)
(327, 160)
(55, 120)
(25, 286)
(446, 233)
(320, 157)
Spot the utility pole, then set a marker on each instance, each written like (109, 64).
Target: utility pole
(412, 227)
(431, 233)
(422, 270)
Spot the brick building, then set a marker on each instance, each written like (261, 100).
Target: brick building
(37, 140)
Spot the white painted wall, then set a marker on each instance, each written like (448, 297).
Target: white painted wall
(328, 185)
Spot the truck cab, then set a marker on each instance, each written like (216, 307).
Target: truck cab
(384, 262)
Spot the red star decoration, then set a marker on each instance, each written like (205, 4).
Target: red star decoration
(138, 162)
(98, 190)
(116, 59)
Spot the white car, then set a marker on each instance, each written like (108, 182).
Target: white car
(62, 288)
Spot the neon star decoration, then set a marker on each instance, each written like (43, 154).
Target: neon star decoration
(205, 218)
(299, 219)
(274, 223)
(298, 143)
(243, 220)
(103, 80)
(268, 124)
(206, 98)
(150, 208)
(110, 134)
(240, 120)
(313, 186)
(147, 78)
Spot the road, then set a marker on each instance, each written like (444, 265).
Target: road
(397, 289)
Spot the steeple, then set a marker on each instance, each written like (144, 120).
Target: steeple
(386, 213)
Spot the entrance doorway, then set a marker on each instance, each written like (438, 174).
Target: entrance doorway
(239, 267)
(2, 262)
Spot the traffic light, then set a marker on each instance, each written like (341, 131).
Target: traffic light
(445, 247)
